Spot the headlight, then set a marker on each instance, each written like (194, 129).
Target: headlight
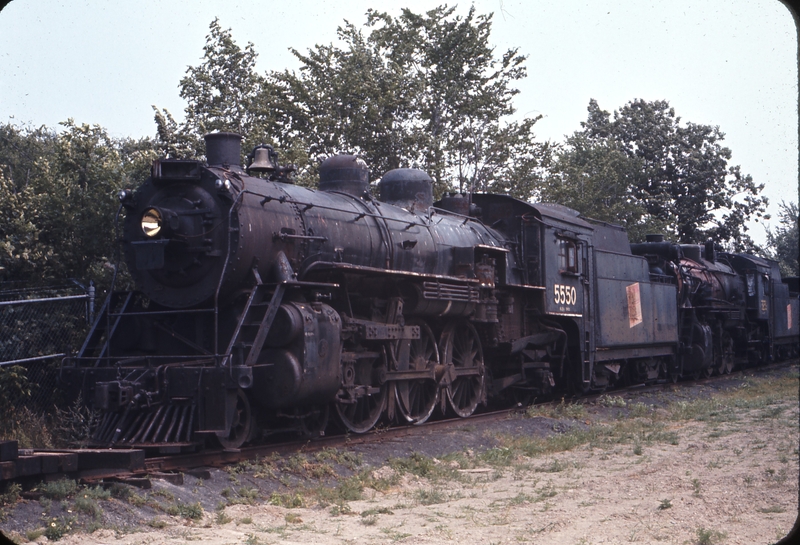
(152, 222)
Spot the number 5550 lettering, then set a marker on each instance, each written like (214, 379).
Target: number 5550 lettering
(565, 295)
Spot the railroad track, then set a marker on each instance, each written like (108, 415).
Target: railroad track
(134, 467)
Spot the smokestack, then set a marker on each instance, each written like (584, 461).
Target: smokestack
(223, 149)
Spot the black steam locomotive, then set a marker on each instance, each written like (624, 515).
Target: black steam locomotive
(264, 306)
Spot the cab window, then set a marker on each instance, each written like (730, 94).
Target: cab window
(567, 256)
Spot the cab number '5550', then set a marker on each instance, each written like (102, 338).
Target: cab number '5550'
(565, 295)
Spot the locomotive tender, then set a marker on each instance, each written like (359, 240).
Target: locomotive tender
(263, 306)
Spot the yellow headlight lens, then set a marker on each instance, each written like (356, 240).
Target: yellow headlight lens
(151, 222)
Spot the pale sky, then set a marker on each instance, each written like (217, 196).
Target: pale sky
(730, 63)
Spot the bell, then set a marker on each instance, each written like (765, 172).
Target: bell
(261, 159)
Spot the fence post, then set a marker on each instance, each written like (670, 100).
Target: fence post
(91, 301)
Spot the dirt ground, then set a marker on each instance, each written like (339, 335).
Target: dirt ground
(706, 464)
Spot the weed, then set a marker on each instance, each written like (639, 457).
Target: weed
(11, 494)
(158, 524)
(709, 537)
(349, 489)
(611, 401)
(377, 511)
(772, 509)
(555, 466)
(33, 535)
(350, 460)
(416, 464)
(639, 410)
(136, 500)
(778, 477)
(97, 493)
(166, 494)
(772, 412)
(245, 520)
(292, 518)
(258, 464)
(381, 484)
(252, 539)
(502, 456)
(193, 511)
(58, 528)
(222, 517)
(245, 495)
(637, 449)
(59, 490)
(665, 504)
(546, 492)
(342, 509)
(295, 463)
(29, 428)
(394, 535)
(88, 505)
(430, 496)
(521, 499)
(562, 410)
(286, 500)
(696, 487)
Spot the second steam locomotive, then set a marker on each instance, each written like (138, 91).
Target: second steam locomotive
(263, 306)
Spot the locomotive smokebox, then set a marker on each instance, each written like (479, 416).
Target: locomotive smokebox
(223, 149)
(344, 174)
(407, 188)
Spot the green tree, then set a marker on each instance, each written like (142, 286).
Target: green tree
(58, 212)
(421, 91)
(225, 93)
(784, 241)
(677, 172)
(596, 178)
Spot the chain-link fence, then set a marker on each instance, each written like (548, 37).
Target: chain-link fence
(38, 327)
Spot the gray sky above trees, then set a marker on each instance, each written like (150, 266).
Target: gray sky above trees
(718, 62)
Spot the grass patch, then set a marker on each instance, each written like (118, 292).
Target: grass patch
(191, 511)
(261, 468)
(57, 528)
(222, 517)
(772, 509)
(430, 496)
(612, 401)
(555, 466)
(350, 460)
(377, 511)
(290, 501)
(563, 409)
(709, 537)
(89, 506)
(10, 494)
(244, 495)
(58, 490)
(158, 524)
(292, 518)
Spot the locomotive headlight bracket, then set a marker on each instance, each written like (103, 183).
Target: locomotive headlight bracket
(159, 221)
